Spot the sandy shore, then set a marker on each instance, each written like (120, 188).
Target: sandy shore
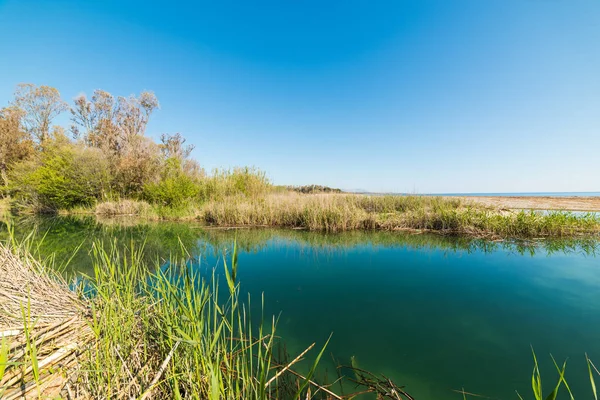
(539, 203)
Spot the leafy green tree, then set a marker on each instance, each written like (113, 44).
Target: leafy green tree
(63, 176)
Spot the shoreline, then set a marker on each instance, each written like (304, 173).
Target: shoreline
(570, 203)
(489, 217)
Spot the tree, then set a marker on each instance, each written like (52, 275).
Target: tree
(174, 147)
(117, 127)
(138, 164)
(64, 175)
(133, 113)
(40, 105)
(112, 125)
(94, 120)
(15, 143)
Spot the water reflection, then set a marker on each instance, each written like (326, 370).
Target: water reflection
(64, 235)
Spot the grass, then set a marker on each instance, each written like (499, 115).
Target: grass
(135, 208)
(123, 207)
(342, 212)
(175, 314)
(335, 212)
(130, 331)
(4, 205)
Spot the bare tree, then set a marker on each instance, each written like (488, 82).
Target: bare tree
(40, 105)
(109, 124)
(15, 142)
(173, 146)
(133, 114)
(94, 120)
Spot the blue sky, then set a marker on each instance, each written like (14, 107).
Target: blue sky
(419, 96)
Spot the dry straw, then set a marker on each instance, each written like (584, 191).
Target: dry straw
(42, 330)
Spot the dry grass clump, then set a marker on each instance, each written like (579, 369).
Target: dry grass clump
(124, 207)
(42, 330)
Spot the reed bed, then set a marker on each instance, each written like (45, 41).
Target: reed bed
(42, 331)
(131, 331)
(343, 212)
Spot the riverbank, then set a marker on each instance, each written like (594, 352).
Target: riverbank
(573, 203)
(336, 213)
(347, 212)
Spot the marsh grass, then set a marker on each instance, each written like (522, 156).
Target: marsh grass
(136, 331)
(339, 212)
(138, 209)
(123, 207)
(343, 212)
(177, 334)
(4, 205)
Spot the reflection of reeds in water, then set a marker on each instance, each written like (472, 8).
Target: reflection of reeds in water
(70, 237)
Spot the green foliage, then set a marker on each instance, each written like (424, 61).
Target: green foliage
(175, 188)
(63, 176)
(245, 181)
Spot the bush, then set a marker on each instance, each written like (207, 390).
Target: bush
(175, 188)
(63, 176)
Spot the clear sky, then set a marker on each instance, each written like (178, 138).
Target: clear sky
(418, 96)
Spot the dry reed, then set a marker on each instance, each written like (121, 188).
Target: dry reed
(42, 328)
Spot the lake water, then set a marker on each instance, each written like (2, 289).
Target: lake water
(434, 313)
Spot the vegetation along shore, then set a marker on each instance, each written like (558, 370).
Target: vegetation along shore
(133, 329)
(105, 164)
(128, 332)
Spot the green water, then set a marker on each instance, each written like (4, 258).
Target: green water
(433, 313)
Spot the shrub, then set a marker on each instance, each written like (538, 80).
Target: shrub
(175, 188)
(63, 176)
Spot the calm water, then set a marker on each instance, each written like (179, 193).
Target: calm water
(433, 313)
